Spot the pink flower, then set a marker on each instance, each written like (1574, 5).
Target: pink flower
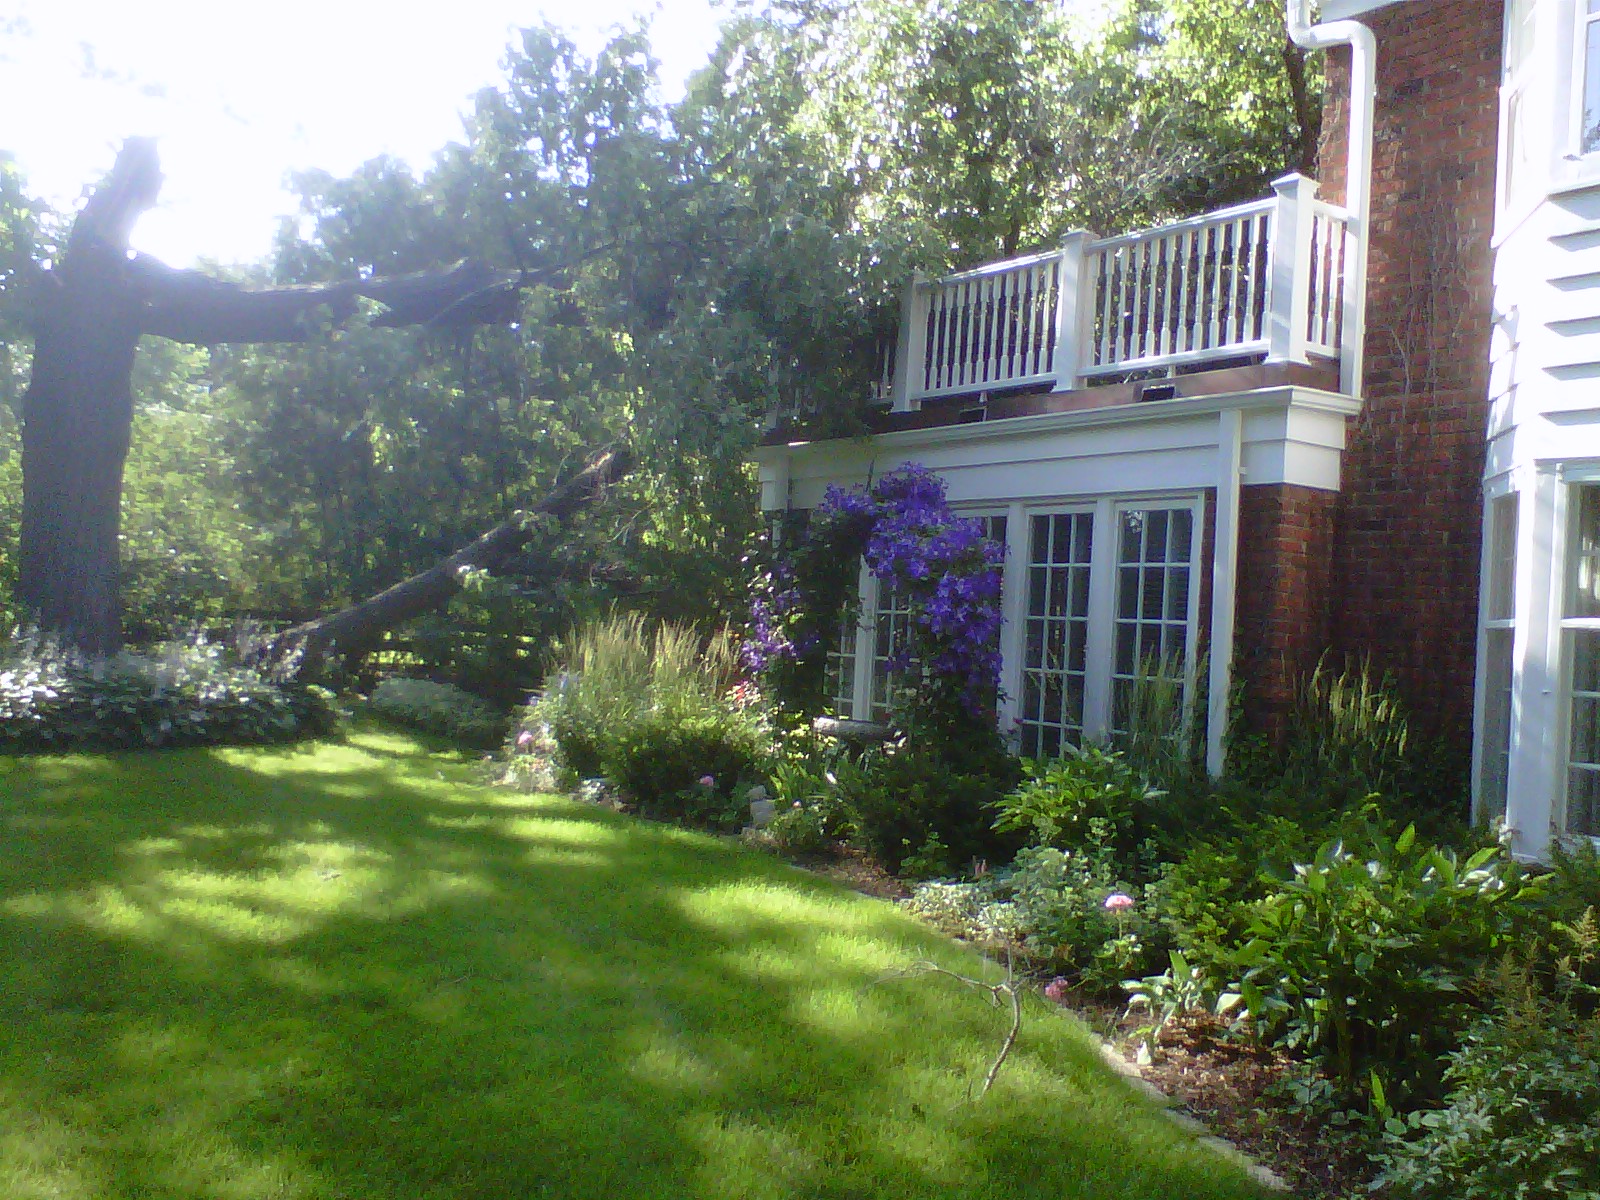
(1056, 989)
(1118, 902)
(524, 739)
(708, 781)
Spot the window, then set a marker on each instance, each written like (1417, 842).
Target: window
(1154, 564)
(1516, 144)
(1055, 656)
(1499, 627)
(1589, 114)
(1581, 635)
(1110, 611)
(840, 685)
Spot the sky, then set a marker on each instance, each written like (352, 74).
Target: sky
(240, 93)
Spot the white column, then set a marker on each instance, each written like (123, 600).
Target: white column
(1536, 775)
(1101, 648)
(912, 347)
(1074, 311)
(1224, 581)
(1014, 608)
(1289, 269)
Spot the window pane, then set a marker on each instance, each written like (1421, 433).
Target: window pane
(1496, 723)
(1583, 573)
(1502, 555)
(1055, 654)
(1591, 87)
(1150, 644)
(1583, 802)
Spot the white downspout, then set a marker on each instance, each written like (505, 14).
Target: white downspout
(1358, 169)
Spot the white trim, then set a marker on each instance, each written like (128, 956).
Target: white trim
(1224, 582)
(1342, 10)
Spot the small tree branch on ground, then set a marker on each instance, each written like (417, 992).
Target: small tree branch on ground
(1001, 994)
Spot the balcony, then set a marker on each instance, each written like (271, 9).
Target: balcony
(1263, 281)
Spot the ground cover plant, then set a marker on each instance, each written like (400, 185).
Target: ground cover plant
(341, 970)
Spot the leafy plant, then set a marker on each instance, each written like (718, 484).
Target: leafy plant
(1522, 1117)
(175, 694)
(1364, 958)
(1182, 988)
(1059, 799)
(901, 799)
(439, 708)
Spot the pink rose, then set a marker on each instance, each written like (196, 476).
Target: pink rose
(1118, 902)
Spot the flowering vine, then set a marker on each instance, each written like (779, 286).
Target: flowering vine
(944, 568)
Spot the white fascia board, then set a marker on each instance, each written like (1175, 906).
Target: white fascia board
(1343, 10)
(1291, 435)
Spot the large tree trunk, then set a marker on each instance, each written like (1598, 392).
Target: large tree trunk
(77, 414)
(87, 316)
(359, 628)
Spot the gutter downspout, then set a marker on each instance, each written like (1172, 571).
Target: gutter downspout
(1358, 169)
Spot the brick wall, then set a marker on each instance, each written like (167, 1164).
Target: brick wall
(1405, 557)
(1285, 558)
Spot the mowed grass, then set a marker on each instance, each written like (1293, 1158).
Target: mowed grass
(341, 970)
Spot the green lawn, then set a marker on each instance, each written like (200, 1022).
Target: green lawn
(340, 970)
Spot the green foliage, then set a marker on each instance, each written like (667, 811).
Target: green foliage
(1364, 957)
(1522, 1116)
(810, 817)
(914, 802)
(441, 709)
(1058, 910)
(1060, 799)
(650, 709)
(175, 695)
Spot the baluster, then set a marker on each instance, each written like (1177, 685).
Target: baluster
(1107, 278)
(1247, 311)
(1183, 331)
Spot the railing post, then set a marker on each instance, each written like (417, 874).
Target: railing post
(911, 350)
(1289, 273)
(1074, 311)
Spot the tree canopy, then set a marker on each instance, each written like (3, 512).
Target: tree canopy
(684, 269)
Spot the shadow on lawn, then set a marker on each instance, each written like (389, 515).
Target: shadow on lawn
(325, 975)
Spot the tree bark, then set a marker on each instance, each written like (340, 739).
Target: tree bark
(87, 316)
(359, 627)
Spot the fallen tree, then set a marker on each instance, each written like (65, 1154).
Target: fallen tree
(352, 631)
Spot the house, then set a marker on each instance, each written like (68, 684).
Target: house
(1361, 414)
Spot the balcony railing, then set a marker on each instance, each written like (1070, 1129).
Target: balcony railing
(1264, 278)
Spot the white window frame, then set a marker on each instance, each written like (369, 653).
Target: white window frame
(1574, 476)
(1519, 90)
(1583, 20)
(1103, 578)
(1516, 624)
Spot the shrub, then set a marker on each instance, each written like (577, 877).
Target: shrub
(440, 709)
(1363, 958)
(1060, 798)
(173, 695)
(1077, 914)
(1522, 1117)
(652, 709)
(913, 803)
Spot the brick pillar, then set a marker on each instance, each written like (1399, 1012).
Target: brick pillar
(1285, 557)
(1405, 556)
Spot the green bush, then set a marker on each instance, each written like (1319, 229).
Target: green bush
(1060, 798)
(653, 711)
(175, 694)
(914, 805)
(1522, 1117)
(440, 709)
(1364, 958)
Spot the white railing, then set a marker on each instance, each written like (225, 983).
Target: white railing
(1268, 277)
